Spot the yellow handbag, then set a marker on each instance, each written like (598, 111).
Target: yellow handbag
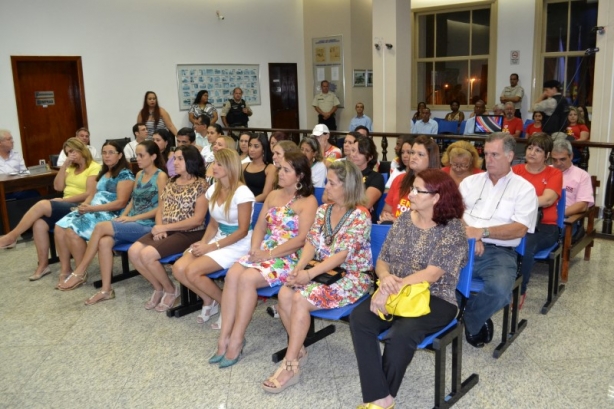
(412, 301)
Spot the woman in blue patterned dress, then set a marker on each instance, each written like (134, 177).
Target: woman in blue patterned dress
(339, 237)
(115, 183)
(136, 220)
(286, 216)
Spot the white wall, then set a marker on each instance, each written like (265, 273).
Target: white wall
(131, 46)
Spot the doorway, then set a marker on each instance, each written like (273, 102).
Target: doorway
(50, 103)
(283, 89)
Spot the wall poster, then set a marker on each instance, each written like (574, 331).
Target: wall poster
(328, 65)
(219, 80)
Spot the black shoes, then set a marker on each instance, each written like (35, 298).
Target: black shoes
(484, 336)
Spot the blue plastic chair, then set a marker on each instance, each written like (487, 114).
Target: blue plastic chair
(448, 127)
(552, 256)
(451, 334)
(378, 236)
(379, 206)
(318, 192)
(385, 176)
(461, 129)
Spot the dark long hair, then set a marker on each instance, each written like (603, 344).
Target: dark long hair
(145, 111)
(168, 138)
(194, 162)
(152, 148)
(434, 162)
(267, 156)
(302, 167)
(199, 96)
(121, 164)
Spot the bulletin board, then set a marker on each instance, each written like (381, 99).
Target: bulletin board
(219, 80)
(328, 65)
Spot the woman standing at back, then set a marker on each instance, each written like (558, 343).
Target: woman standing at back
(154, 116)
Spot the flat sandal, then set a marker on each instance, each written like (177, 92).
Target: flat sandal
(106, 295)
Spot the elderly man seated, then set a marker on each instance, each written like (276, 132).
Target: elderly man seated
(576, 182)
(12, 163)
(84, 135)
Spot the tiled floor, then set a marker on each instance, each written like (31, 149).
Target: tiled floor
(57, 353)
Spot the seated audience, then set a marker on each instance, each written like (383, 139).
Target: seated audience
(348, 144)
(227, 236)
(310, 147)
(360, 119)
(576, 126)
(187, 136)
(136, 220)
(339, 237)
(202, 106)
(259, 174)
(213, 133)
(400, 164)
(478, 109)
(425, 125)
(460, 160)
(536, 126)
(328, 142)
(201, 126)
(426, 244)
(498, 109)
(113, 190)
(418, 115)
(280, 149)
(548, 183)
(511, 123)
(424, 154)
(455, 115)
(222, 142)
(577, 184)
(500, 207)
(164, 140)
(364, 156)
(363, 130)
(154, 116)
(244, 146)
(286, 217)
(179, 224)
(77, 179)
(84, 136)
(140, 134)
(277, 137)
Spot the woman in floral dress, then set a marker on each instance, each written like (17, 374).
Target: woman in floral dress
(279, 234)
(339, 237)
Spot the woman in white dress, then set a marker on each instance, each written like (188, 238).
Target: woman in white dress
(228, 234)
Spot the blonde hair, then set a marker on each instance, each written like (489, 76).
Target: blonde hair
(462, 148)
(231, 162)
(353, 186)
(580, 120)
(75, 144)
(229, 141)
(288, 146)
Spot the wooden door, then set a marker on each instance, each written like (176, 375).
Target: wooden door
(50, 103)
(283, 89)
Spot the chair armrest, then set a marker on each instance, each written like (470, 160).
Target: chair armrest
(575, 217)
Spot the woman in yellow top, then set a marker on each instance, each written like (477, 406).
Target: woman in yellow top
(77, 179)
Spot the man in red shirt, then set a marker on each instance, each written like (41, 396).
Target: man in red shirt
(511, 124)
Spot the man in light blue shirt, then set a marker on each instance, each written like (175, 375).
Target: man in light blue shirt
(478, 109)
(425, 126)
(361, 119)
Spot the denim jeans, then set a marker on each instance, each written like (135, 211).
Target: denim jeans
(545, 236)
(497, 268)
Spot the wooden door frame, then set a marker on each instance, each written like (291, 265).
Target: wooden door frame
(15, 59)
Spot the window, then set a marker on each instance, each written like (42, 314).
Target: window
(566, 36)
(452, 56)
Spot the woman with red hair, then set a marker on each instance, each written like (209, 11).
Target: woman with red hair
(429, 244)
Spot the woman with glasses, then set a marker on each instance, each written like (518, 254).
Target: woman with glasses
(460, 160)
(429, 244)
(548, 184)
(424, 154)
(113, 191)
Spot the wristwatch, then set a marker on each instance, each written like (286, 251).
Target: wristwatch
(485, 233)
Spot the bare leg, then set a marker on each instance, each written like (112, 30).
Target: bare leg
(63, 252)
(77, 247)
(40, 209)
(104, 229)
(138, 257)
(41, 242)
(196, 274)
(229, 304)
(105, 259)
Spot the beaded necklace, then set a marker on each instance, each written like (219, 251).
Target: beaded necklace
(329, 233)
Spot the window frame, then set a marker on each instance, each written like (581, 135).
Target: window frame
(491, 56)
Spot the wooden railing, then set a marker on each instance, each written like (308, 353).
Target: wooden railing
(583, 147)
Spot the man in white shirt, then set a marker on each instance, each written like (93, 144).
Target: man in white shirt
(514, 94)
(11, 162)
(478, 109)
(500, 208)
(84, 135)
(140, 134)
(425, 126)
(201, 123)
(361, 118)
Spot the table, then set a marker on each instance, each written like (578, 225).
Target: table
(19, 183)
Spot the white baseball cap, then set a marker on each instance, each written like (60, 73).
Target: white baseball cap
(320, 129)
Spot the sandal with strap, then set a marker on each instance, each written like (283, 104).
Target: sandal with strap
(207, 312)
(81, 279)
(290, 366)
(167, 305)
(62, 279)
(100, 296)
(154, 300)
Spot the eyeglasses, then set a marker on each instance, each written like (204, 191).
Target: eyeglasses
(109, 152)
(480, 198)
(415, 191)
(463, 166)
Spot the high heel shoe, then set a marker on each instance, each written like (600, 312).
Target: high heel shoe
(167, 305)
(217, 325)
(154, 300)
(36, 277)
(207, 312)
(225, 362)
(290, 366)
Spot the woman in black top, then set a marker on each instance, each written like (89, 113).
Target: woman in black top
(260, 173)
(364, 155)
